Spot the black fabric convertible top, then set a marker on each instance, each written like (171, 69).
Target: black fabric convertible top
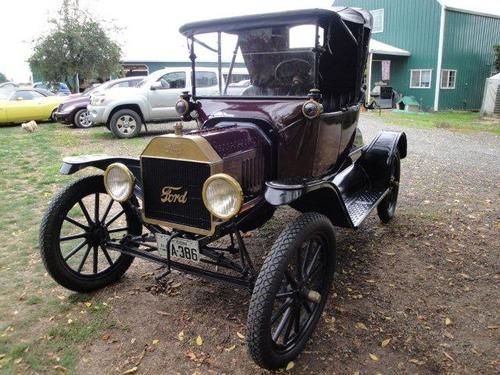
(289, 18)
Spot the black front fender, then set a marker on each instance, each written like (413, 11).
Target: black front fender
(73, 164)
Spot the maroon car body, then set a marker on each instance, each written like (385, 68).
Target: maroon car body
(74, 109)
(289, 139)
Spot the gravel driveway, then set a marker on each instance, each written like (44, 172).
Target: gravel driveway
(419, 295)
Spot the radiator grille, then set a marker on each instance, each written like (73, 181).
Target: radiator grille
(190, 176)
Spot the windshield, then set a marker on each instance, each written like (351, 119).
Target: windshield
(268, 62)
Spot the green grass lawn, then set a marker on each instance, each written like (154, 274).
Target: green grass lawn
(457, 121)
(41, 324)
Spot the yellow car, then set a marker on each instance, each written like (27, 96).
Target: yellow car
(21, 105)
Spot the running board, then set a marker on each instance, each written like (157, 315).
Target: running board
(361, 203)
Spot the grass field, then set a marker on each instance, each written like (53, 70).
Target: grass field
(456, 121)
(41, 326)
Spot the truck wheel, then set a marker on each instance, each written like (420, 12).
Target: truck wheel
(82, 119)
(74, 231)
(125, 123)
(291, 291)
(387, 208)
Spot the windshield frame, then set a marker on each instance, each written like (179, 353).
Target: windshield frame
(316, 50)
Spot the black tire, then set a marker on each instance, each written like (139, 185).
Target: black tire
(81, 119)
(96, 229)
(276, 282)
(53, 116)
(387, 208)
(125, 123)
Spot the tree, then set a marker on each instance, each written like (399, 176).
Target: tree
(2, 78)
(77, 44)
(497, 57)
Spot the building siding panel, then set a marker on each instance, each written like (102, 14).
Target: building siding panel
(412, 25)
(468, 48)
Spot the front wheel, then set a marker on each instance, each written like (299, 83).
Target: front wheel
(125, 123)
(74, 232)
(82, 119)
(291, 291)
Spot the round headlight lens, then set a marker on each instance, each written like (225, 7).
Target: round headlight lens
(182, 107)
(222, 196)
(119, 182)
(312, 109)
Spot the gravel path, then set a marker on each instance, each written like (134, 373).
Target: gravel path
(419, 295)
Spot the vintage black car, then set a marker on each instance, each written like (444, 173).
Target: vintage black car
(289, 138)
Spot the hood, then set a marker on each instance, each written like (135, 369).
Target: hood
(78, 100)
(278, 113)
(119, 92)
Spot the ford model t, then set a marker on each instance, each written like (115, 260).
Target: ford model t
(286, 137)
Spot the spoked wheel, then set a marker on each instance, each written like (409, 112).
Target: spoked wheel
(291, 291)
(74, 232)
(387, 208)
(125, 123)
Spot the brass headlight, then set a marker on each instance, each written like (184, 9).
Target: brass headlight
(119, 182)
(312, 109)
(182, 107)
(222, 195)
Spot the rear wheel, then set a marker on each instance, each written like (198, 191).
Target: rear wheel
(387, 208)
(74, 232)
(82, 119)
(125, 123)
(291, 291)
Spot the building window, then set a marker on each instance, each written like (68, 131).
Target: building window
(420, 78)
(378, 20)
(448, 78)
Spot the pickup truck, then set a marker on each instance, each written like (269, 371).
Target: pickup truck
(125, 111)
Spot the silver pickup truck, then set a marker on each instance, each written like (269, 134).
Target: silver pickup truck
(125, 111)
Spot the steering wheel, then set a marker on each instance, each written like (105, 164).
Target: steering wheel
(295, 73)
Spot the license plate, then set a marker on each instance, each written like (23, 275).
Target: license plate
(180, 248)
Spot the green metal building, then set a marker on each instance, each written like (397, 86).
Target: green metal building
(426, 49)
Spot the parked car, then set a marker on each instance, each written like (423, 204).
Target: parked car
(288, 139)
(8, 85)
(74, 109)
(58, 88)
(125, 111)
(22, 105)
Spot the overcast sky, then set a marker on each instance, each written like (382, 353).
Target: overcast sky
(149, 27)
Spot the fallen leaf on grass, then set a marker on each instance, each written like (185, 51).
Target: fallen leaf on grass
(290, 366)
(199, 341)
(156, 341)
(448, 322)
(360, 325)
(448, 356)
(163, 313)
(191, 356)
(240, 335)
(385, 342)
(61, 370)
(133, 370)
(448, 334)
(493, 327)
(18, 361)
(180, 336)
(230, 349)
(373, 357)
(416, 361)
(88, 304)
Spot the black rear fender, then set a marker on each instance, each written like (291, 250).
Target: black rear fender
(376, 157)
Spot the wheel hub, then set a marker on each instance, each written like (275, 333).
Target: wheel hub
(98, 234)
